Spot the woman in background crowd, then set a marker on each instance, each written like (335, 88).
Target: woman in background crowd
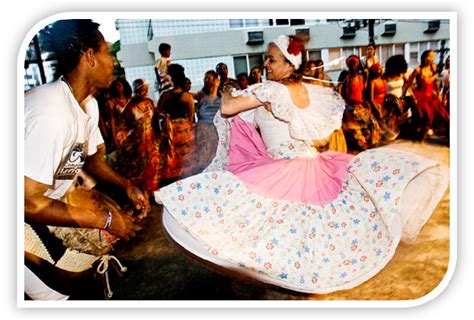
(177, 108)
(429, 109)
(138, 157)
(360, 127)
(120, 95)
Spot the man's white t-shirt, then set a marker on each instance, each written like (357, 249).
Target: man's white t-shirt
(59, 136)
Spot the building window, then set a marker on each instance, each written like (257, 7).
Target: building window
(423, 46)
(240, 64)
(334, 53)
(236, 23)
(434, 45)
(399, 49)
(413, 58)
(251, 23)
(350, 51)
(246, 63)
(296, 22)
(255, 60)
(385, 52)
(282, 22)
(247, 23)
(415, 49)
(314, 55)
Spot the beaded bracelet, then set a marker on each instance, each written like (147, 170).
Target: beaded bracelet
(109, 219)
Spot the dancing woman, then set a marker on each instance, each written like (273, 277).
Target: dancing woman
(429, 109)
(285, 214)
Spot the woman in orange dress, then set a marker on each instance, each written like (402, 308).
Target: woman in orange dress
(360, 127)
(138, 157)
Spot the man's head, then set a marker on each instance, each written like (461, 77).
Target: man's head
(222, 70)
(78, 43)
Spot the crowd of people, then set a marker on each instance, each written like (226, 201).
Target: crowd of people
(246, 137)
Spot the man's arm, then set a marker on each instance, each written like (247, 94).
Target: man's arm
(39, 208)
(100, 170)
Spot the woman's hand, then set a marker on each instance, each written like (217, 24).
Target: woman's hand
(321, 145)
(267, 106)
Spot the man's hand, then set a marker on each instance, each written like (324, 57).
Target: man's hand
(123, 225)
(140, 201)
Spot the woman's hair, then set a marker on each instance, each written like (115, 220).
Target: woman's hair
(176, 72)
(208, 72)
(351, 58)
(395, 66)
(371, 45)
(373, 71)
(69, 40)
(252, 80)
(139, 87)
(342, 75)
(127, 89)
(424, 55)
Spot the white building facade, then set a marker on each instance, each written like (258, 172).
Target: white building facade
(200, 44)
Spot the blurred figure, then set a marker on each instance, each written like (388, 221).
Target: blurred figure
(120, 95)
(309, 72)
(177, 108)
(226, 83)
(445, 84)
(209, 92)
(187, 85)
(255, 75)
(206, 138)
(340, 88)
(369, 59)
(360, 127)
(243, 80)
(314, 74)
(376, 90)
(387, 117)
(138, 157)
(399, 104)
(431, 114)
(161, 68)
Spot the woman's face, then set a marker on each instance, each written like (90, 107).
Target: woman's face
(276, 67)
(378, 72)
(209, 80)
(353, 64)
(430, 58)
(310, 70)
(188, 85)
(119, 87)
(370, 51)
(256, 74)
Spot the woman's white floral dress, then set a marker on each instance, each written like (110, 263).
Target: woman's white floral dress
(386, 196)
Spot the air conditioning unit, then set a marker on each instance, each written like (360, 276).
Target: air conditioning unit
(389, 29)
(255, 37)
(348, 32)
(433, 26)
(303, 33)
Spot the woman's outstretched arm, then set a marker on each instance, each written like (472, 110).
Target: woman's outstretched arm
(233, 105)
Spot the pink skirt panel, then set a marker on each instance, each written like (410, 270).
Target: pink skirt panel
(309, 180)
